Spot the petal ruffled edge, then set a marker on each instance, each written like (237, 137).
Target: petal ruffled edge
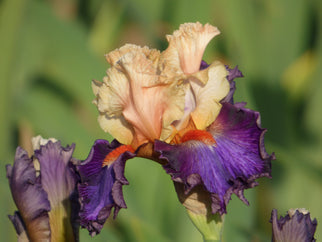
(55, 163)
(232, 74)
(195, 163)
(186, 47)
(100, 188)
(295, 226)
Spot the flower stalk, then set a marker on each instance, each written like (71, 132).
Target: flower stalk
(211, 226)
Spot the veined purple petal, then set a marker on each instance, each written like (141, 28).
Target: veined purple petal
(295, 228)
(229, 166)
(42, 196)
(100, 189)
(59, 180)
(29, 196)
(57, 176)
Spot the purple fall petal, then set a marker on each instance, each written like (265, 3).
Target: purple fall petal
(100, 189)
(29, 196)
(229, 166)
(296, 228)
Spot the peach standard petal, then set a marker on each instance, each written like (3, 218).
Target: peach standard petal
(153, 105)
(186, 47)
(135, 107)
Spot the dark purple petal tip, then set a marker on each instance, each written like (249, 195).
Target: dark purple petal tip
(100, 189)
(17, 222)
(296, 226)
(203, 65)
(230, 165)
(232, 74)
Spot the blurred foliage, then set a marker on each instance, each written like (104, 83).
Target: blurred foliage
(50, 51)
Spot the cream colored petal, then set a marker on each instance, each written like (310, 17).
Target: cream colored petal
(169, 64)
(201, 76)
(190, 105)
(208, 95)
(113, 57)
(112, 94)
(118, 127)
(188, 45)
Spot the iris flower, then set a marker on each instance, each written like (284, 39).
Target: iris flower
(173, 108)
(296, 226)
(43, 188)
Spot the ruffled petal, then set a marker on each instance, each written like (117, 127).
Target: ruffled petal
(232, 74)
(100, 189)
(296, 226)
(54, 164)
(113, 57)
(225, 159)
(59, 181)
(30, 198)
(135, 106)
(186, 47)
(147, 100)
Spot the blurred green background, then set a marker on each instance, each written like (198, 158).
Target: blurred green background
(51, 50)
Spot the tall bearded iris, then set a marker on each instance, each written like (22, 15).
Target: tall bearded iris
(173, 108)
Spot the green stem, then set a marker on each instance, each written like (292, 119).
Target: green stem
(210, 226)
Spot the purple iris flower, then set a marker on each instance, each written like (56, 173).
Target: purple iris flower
(43, 189)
